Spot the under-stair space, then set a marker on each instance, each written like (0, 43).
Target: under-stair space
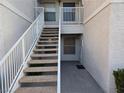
(41, 74)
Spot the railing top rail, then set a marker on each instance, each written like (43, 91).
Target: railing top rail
(18, 41)
(65, 7)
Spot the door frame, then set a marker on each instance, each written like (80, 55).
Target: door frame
(73, 57)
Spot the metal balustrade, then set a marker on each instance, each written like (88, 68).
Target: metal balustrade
(68, 15)
(13, 62)
(72, 15)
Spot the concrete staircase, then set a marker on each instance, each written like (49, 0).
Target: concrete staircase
(41, 74)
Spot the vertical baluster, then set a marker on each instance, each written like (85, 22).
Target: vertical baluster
(8, 74)
(29, 39)
(17, 58)
(23, 49)
(79, 14)
(5, 88)
(71, 14)
(2, 79)
(14, 62)
(33, 34)
(10, 69)
(11, 57)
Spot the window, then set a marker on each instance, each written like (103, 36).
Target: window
(69, 45)
(50, 12)
(50, 16)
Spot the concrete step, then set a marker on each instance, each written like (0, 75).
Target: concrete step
(38, 79)
(48, 38)
(32, 62)
(46, 45)
(51, 29)
(40, 69)
(48, 41)
(45, 50)
(51, 89)
(50, 32)
(44, 55)
(49, 35)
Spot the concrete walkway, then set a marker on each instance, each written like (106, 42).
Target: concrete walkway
(77, 80)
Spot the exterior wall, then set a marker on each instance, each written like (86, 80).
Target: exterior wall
(16, 16)
(96, 42)
(25, 6)
(91, 5)
(103, 41)
(116, 40)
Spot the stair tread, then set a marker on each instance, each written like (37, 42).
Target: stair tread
(38, 79)
(54, 49)
(51, 89)
(42, 61)
(41, 69)
(43, 55)
(48, 37)
(47, 45)
(49, 41)
(48, 32)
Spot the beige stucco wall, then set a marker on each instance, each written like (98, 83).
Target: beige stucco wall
(91, 5)
(25, 6)
(104, 42)
(96, 44)
(16, 16)
(116, 41)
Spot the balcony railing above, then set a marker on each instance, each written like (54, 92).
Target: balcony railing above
(68, 15)
(72, 15)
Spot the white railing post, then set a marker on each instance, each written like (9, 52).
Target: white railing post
(59, 55)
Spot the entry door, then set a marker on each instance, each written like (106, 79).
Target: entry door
(69, 12)
(70, 49)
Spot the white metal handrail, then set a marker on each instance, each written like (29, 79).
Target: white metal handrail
(59, 56)
(12, 63)
(72, 15)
